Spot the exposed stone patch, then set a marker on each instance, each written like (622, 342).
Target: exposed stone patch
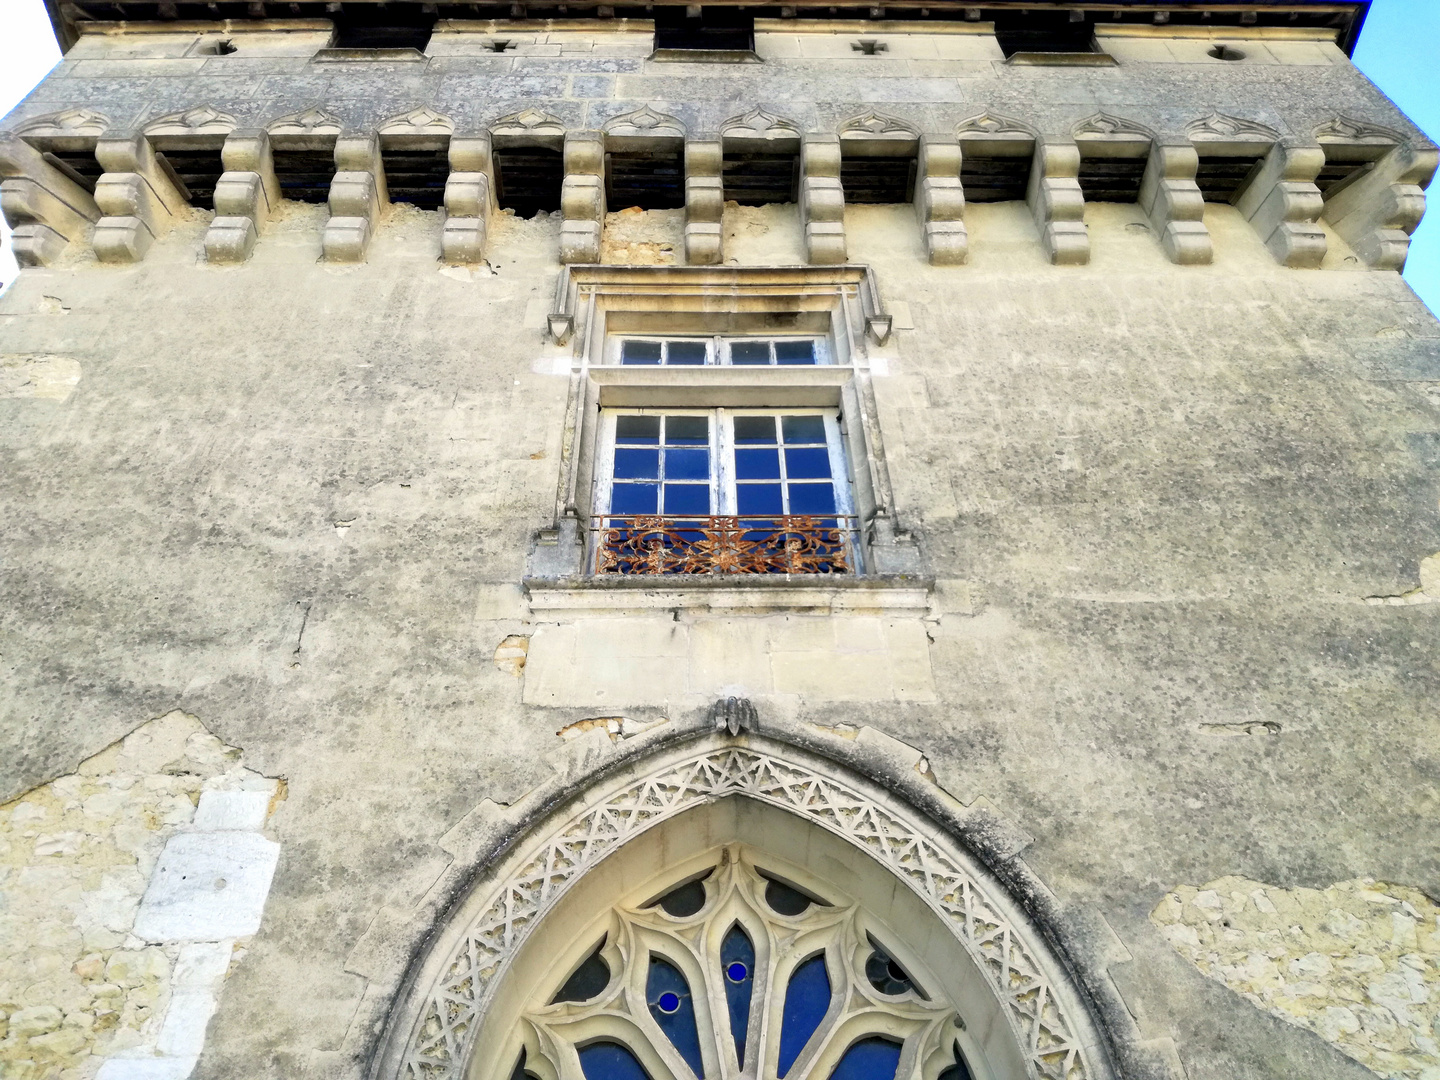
(510, 654)
(76, 856)
(52, 378)
(635, 237)
(1357, 963)
(616, 727)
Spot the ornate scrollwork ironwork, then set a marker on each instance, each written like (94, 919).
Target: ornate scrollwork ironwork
(725, 544)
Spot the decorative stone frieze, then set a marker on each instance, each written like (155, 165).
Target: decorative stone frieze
(940, 201)
(137, 196)
(822, 199)
(1231, 135)
(1003, 132)
(469, 199)
(72, 123)
(45, 208)
(644, 122)
(423, 122)
(704, 201)
(1376, 212)
(759, 124)
(1283, 204)
(582, 197)
(529, 123)
(872, 125)
(307, 122)
(1112, 128)
(203, 120)
(357, 196)
(1172, 200)
(246, 194)
(1057, 203)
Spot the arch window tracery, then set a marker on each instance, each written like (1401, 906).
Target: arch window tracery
(740, 973)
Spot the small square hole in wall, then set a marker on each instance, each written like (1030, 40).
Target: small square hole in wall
(651, 180)
(528, 179)
(988, 179)
(305, 175)
(1220, 178)
(1111, 180)
(198, 171)
(760, 179)
(877, 179)
(416, 177)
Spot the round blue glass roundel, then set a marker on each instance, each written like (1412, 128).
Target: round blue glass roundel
(736, 972)
(668, 1003)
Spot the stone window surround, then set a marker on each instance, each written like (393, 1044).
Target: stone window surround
(842, 303)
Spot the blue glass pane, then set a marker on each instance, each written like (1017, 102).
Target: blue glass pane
(807, 999)
(633, 498)
(808, 464)
(687, 498)
(688, 464)
(803, 429)
(637, 464)
(640, 352)
(758, 499)
(610, 1061)
(668, 995)
(750, 352)
(812, 498)
(755, 429)
(687, 430)
(737, 961)
(686, 352)
(757, 464)
(644, 430)
(794, 352)
(869, 1059)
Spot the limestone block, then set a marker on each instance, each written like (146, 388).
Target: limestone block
(230, 239)
(147, 1068)
(36, 245)
(19, 159)
(25, 201)
(822, 199)
(467, 194)
(132, 195)
(582, 197)
(1067, 243)
(580, 241)
(241, 194)
(1057, 203)
(245, 810)
(1172, 200)
(354, 194)
(208, 886)
(825, 242)
(183, 1033)
(1389, 199)
(1297, 244)
(820, 155)
(940, 198)
(346, 239)
(1282, 203)
(133, 154)
(1188, 243)
(470, 154)
(247, 150)
(584, 153)
(122, 239)
(703, 244)
(1382, 249)
(462, 240)
(947, 243)
(361, 153)
(704, 198)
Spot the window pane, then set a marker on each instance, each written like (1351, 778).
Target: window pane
(640, 352)
(737, 959)
(804, 429)
(808, 464)
(754, 429)
(633, 498)
(758, 499)
(685, 464)
(668, 995)
(807, 999)
(687, 430)
(794, 352)
(637, 429)
(610, 1061)
(687, 498)
(637, 464)
(812, 499)
(750, 352)
(686, 352)
(762, 464)
(869, 1059)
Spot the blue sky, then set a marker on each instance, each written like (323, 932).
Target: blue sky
(1399, 49)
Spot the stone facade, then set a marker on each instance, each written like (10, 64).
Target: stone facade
(1134, 587)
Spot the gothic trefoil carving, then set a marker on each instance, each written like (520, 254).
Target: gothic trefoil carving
(1220, 127)
(645, 121)
(310, 121)
(988, 123)
(758, 124)
(201, 120)
(870, 124)
(440, 1043)
(1344, 129)
(421, 121)
(528, 122)
(1104, 125)
(80, 122)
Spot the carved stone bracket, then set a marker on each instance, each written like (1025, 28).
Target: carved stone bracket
(469, 199)
(138, 196)
(582, 197)
(822, 199)
(46, 208)
(704, 202)
(940, 201)
(733, 715)
(1283, 204)
(246, 194)
(1172, 200)
(1379, 209)
(1057, 203)
(357, 196)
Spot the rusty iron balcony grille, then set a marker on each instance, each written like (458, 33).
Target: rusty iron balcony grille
(725, 544)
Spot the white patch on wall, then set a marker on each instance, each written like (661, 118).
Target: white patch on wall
(51, 378)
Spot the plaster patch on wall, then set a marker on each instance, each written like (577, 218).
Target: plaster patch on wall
(635, 237)
(51, 378)
(1357, 963)
(82, 978)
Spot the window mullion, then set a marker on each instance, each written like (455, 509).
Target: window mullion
(723, 471)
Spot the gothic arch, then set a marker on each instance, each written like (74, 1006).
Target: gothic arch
(687, 792)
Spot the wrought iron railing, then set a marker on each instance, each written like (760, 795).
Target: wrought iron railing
(723, 544)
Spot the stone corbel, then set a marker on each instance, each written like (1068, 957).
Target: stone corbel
(246, 194)
(582, 197)
(1283, 204)
(1057, 203)
(822, 199)
(469, 199)
(137, 194)
(1172, 201)
(357, 196)
(45, 208)
(1377, 211)
(940, 201)
(704, 201)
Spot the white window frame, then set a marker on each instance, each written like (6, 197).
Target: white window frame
(717, 349)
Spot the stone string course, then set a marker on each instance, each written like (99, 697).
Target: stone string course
(76, 854)
(1357, 963)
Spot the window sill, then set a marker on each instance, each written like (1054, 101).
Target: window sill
(899, 595)
(721, 385)
(335, 56)
(1061, 59)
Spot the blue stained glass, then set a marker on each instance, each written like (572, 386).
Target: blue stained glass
(807, 999)
(637, 464)
(640, 352)
(794, 352)
(758, 464)
(803, 429)
(809, 464)
(668, 995)
(687, 499)
(812, 498)
(755, 429)
(633, 498)
(758, 499)
(869, 1059)
(737, 956)
(610, 1061)
(688, 464)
